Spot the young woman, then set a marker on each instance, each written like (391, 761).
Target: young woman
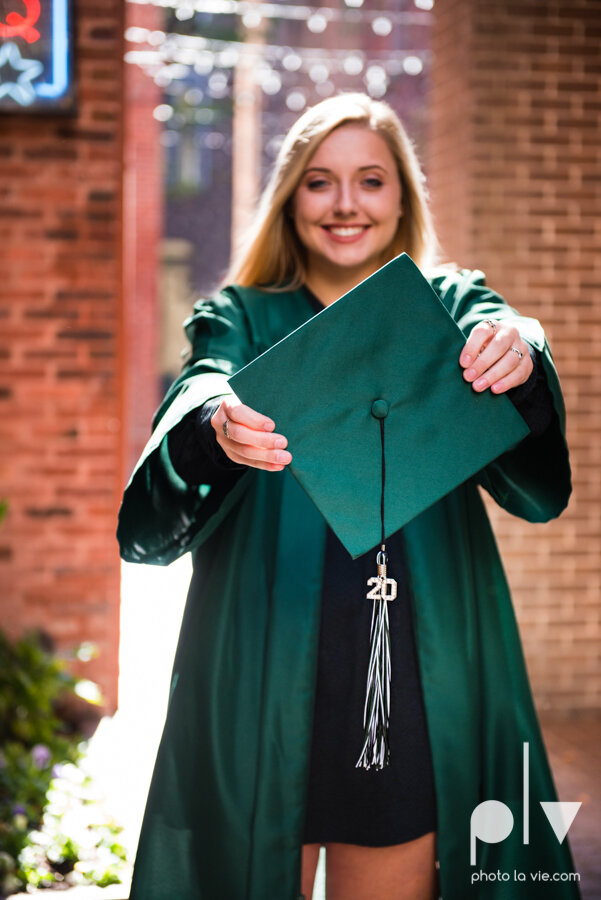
(256, 769)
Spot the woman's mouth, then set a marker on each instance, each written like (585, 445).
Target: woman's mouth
(345, 233)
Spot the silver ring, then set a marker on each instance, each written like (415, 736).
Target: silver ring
(492, 324)
(515, 350)
(226, 429)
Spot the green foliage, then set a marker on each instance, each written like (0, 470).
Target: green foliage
(78, 843)
(32, 740)
(31, 683)
(37, 748)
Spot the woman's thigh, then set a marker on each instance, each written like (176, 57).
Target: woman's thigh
(400, 872)
(310, 859)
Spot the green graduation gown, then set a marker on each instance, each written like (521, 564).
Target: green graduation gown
(225, 813)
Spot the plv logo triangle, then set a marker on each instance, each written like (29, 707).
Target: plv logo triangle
(560, 814)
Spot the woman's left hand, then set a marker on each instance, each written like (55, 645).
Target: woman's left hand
(495, 357)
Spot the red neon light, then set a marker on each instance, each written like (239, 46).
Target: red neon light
(18, 25)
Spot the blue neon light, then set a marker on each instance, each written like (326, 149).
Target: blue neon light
(60, 52)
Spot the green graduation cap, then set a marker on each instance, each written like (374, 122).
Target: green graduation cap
(386, 353)
(380, 425)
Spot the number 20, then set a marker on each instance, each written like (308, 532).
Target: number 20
(383, 588)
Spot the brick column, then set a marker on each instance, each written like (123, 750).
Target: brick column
(514, 175)
(60, 355)
(143, 227)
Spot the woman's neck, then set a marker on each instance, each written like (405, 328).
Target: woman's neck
(329, 286)
(328, 290)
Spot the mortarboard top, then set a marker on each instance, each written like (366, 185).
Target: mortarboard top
(386, 348)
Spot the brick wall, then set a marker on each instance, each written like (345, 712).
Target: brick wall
(143, 229)
(515, 161)
(60, 352)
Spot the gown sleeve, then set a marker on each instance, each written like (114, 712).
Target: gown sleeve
(533, 479)
(163, 515)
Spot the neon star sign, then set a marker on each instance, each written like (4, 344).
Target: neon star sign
(35, 56)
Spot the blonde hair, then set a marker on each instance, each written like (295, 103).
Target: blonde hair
(272, 255)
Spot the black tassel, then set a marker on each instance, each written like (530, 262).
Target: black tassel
(376, 712)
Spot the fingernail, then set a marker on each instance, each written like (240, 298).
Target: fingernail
(469, 374)
(268, 425)
(466, 360)
(280, 442)
(480, 384)
(284, 457)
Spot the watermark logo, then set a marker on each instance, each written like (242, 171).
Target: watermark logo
(492, 821)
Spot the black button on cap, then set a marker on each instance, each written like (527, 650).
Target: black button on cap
(379, 409)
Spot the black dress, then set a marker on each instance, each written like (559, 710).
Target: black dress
(345, 804)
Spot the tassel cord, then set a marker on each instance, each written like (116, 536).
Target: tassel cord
(376, 713)
(382, 541)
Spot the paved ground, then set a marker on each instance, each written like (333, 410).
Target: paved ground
(574, 748)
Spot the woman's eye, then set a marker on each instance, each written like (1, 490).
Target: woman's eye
(372, 181)
(316, 183)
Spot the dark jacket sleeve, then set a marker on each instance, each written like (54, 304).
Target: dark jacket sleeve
(163, 514)
(531, 480)
(194, 451)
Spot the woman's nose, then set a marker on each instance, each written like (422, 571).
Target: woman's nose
(345, 200)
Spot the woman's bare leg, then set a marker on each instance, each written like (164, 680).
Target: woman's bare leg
(310, 857)
(401, 872)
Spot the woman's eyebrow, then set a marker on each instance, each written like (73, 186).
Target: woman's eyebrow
(360, 169)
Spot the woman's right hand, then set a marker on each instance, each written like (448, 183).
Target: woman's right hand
(250, 439)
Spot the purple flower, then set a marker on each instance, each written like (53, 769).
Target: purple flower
(41, 756)
(57, 770)
(18, 809)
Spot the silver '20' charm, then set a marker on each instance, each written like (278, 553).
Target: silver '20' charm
(383, 588)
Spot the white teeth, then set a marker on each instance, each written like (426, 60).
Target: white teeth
(346, 232)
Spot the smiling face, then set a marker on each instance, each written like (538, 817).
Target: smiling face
(347, 205)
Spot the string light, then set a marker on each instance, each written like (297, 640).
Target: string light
(252, 19)
(319, 73)
(292, 62)
(183, 13)
(325, 89)
(317, 23)
(163, 112)
(353, 12)
(194, 96)
(218, 85)
(382, 26)
(296, 101)
(205, 54)
(172, 57)
(353, 65)
(413, 65)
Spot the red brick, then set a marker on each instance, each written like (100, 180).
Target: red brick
(63, 202)
(514, 169)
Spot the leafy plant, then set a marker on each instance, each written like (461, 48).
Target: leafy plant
(39, 779)
(77, 843)
(33, 740)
